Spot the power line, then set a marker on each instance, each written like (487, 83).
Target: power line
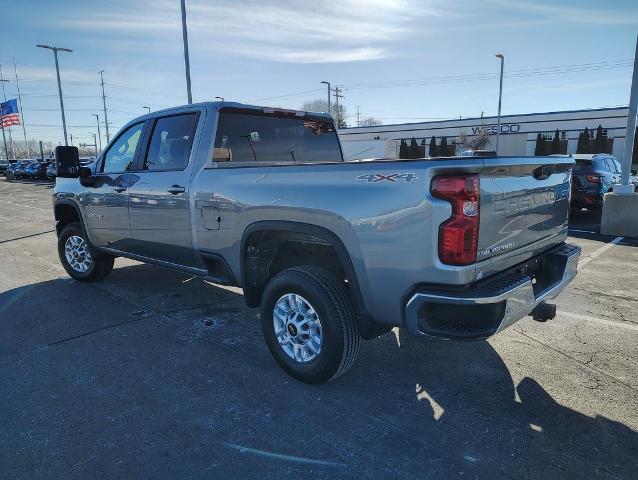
(305, 92)
(554, 70)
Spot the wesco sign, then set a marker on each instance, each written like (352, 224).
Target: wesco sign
(493, 129)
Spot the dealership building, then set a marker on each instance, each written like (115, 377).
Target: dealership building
(518, 132)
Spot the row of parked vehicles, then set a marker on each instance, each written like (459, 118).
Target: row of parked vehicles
(32, 168)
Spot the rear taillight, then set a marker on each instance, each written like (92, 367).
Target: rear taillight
(593, 178)
(458, 236)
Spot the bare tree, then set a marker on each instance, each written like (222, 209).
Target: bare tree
(320, 105)
(473, 142)
(370, 122)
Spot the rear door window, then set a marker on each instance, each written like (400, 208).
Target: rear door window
(171, 143)
(244, 137)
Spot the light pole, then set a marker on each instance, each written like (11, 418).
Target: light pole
(99, 134)
(4, 138)
(500, 98)
(57, 71)
(329, 92)
(147, 108)
(187, 65)
(94, 142)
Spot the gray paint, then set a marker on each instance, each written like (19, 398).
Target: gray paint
(389, 229)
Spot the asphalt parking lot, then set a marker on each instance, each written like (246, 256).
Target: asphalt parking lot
(155, 374)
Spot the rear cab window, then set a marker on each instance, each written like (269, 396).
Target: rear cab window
(267, 138)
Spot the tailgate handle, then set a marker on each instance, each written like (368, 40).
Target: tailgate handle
(543, 172)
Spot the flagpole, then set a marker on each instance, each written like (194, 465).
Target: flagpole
(24, 128)
(4, 94)
(4, 138)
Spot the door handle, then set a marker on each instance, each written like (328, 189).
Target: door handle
(119, 188)
(175, 189)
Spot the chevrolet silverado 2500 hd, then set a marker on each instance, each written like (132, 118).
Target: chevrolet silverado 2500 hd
(332, 251)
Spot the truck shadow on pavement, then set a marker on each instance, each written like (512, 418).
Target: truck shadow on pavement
(153, 373)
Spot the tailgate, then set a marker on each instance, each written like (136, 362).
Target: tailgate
(524, 201)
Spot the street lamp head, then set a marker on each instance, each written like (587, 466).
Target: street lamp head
(55, 48)
(327, 83)
(500, 55)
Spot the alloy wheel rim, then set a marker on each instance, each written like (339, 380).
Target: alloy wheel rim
(77, 254)
(297, 328)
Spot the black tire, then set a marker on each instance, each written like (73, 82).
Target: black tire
(101, 264)
(329, 298)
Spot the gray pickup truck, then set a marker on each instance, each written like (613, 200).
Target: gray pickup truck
(332, 251)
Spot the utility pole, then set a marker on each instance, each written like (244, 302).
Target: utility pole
(337, 97)
(106, 119)
(99, 134)
(187, 65)
(57, 71)
(94, 143)
(631, 130)
(4, 93)
(500, 97)
(4, 138)
(358, 119)
(329, 93)
(24, 128)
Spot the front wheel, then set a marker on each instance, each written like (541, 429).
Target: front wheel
(309, 324)
(79, 258)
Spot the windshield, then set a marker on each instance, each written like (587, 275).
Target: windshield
(247, 137)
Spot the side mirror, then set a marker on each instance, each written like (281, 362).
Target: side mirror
(87, 179)
(67, 162)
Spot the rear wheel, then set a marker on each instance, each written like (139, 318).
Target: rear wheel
(309, 324)
(79, 258)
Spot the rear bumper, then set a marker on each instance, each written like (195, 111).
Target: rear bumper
(487, 307)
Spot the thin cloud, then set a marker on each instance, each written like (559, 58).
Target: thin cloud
(574, 14)
(322, 32)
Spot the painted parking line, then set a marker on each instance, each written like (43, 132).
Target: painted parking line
(26, 206)
(602, 321)
(584, 261)
(581, 231)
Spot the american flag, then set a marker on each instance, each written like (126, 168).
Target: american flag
(9, 111)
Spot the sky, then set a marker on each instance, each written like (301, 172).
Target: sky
(398, 61)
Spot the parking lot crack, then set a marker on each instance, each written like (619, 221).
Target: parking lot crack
(571, 357)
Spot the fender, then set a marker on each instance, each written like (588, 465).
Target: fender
(367, 327)
(74, 205)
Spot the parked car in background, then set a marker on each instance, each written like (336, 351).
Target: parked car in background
(593, 176)
(9, 172)
(51, 171)
(478, 153)
(3, 166)
(19, 169)
(36, 169)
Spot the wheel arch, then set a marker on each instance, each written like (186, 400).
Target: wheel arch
(66, 212)
(368, 328)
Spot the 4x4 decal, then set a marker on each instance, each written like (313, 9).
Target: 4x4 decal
(393, 177)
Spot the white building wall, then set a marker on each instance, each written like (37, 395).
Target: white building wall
(518, 132)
